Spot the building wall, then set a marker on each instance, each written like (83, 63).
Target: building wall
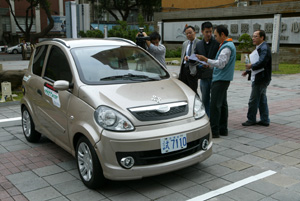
(289, 53)
(175, 5)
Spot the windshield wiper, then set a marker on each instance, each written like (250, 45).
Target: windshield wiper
(130, 77)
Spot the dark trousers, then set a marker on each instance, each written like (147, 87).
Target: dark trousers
(219, 107)
(188, 79)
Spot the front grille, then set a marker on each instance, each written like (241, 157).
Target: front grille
(156, 157)
(153, 115)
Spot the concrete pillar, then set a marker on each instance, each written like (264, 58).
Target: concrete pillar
(12, 20)
(61, 7)
(37, 19)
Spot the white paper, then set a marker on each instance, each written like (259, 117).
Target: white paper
(194, 58)
(254, 57)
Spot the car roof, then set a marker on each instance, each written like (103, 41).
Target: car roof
(72, 43)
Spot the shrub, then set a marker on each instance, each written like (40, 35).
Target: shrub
(245, 43)
(91, 34)
(173, 53)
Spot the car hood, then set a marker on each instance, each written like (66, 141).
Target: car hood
(124, 96)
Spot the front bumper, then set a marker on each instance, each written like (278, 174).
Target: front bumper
(147, 139)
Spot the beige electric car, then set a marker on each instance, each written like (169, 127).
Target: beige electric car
(114, 107)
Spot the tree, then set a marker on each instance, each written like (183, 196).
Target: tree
(124, 7)
(43, 4)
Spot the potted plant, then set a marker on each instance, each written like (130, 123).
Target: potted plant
(245, 46)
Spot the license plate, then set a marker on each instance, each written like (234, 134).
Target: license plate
(173, 143)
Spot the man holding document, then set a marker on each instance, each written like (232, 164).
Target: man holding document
(223, 70)
(260, 71)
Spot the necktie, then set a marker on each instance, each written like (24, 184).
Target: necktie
(190, 49)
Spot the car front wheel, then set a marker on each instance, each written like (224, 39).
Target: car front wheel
(15, 51)
(88, 164)
(29, 131)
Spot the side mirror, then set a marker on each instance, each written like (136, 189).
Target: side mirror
(61, 85)
(175, 75)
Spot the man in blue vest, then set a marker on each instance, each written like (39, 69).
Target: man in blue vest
(223, 72)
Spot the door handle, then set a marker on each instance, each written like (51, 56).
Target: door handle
(39, 92)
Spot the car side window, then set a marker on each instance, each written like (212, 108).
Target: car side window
(39, 58)
(57, 66)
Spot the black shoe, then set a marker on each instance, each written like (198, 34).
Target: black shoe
(224, 133)
(261, 123)
(215, 136)
(248, 123)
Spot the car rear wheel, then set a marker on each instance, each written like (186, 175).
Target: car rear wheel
(88, 164)
(15, 51)
(28, 127)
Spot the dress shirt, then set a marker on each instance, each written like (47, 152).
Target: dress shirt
(222, 60)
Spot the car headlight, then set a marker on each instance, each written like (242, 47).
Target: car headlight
(111, 119)
(199, 110)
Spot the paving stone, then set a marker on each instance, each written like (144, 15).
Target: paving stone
(271, 165)
(260, 144)
(268, 199)
(239, 175)
(230, 153)
(194, 191)
(290, 144)
(263, 187)
(128, 196)
(112, 188)
(245, 148)
(176, 183)
(216, 184)
(59, 178)
(287, 195)
(173, 197)
(244, 194)
(272, 140)
(48, 170)
(68, 165)
(281, 180)
(286, 160)
(27, 181)
(280, 149)
(153, 191)
(199, 177)
(265, 154)
(215, 159)
(236, 165)
(293, 172)
(70, 187)
(253, 160)
(221, 198)
(295, 154)
(218, 170)
(17, 147)
(59, 199)
(42, 194)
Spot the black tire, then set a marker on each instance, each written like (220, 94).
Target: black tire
(28, 127)
(15, 51)
(88, 164)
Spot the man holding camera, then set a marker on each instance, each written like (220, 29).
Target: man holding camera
(155, 48)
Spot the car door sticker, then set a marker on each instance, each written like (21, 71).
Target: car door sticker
(52, 93)
(26, 78)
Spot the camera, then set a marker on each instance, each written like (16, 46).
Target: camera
(141, 39)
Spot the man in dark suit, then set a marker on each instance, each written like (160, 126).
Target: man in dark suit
(188, 73)
(207, 47)
(260, 76)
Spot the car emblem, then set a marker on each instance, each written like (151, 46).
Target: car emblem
(163, 109)
(156, 99)
(205, 144)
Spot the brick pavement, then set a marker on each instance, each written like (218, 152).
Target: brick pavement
(43, 171)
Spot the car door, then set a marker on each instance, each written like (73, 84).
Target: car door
(53, 109)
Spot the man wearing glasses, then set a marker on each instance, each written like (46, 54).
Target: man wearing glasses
(188, 73)
(260, 72)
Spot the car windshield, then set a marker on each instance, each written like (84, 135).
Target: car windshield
(116, 64)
